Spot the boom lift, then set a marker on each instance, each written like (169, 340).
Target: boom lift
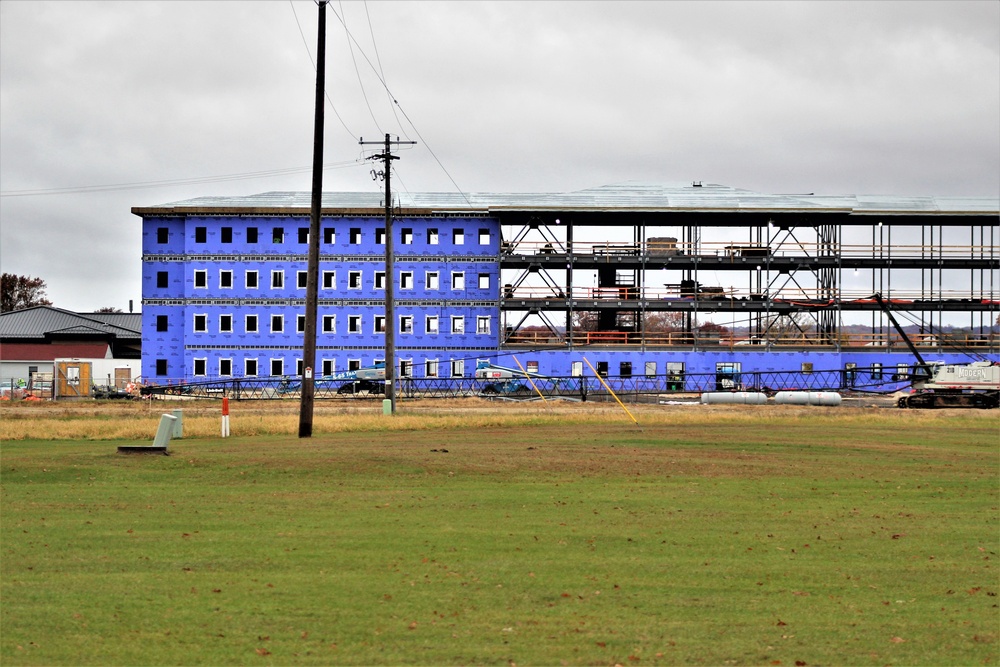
(503, 380)
(370, 379)
(940, 385)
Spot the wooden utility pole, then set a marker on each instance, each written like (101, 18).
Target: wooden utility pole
(390, 312)
(308, 385)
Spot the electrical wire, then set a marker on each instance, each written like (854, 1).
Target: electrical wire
(357, 71)
(378, 59)
(259, 174)
(313, 61)
(141, 185)
(403, 111)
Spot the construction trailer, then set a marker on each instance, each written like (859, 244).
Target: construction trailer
(94, 378)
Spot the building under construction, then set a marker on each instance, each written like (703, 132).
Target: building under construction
(639, 279)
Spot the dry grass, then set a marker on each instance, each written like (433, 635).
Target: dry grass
(137, 421)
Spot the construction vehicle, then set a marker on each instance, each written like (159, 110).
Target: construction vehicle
(941, 385)
(503, 380)
(368, 380)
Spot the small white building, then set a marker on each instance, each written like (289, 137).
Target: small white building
(32, 339)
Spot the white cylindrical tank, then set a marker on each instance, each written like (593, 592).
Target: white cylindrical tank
(824, 398)
(807, 398)
(792, 398)
(733, 397)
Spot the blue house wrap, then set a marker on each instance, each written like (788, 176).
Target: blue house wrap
(224, 280)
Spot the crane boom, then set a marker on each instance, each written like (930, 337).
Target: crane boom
(921, 364)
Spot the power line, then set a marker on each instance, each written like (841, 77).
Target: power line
(113, 187)
(311, 60)
(371, 31)
(357, 71)
(259, 174)
(403, 111)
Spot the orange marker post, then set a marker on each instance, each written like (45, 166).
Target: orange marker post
(225, 416)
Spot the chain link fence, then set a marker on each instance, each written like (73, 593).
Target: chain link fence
(636, 388)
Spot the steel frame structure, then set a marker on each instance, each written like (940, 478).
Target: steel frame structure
(792, 267)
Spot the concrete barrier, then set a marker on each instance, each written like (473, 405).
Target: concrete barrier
(164, 432)
(179, 424)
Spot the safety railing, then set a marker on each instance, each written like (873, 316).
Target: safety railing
(871, 341)
(655, 248)
(804, 296)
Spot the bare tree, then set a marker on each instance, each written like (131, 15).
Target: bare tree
(787, 328)
(711, 327)
(664, 322)
(585, 320)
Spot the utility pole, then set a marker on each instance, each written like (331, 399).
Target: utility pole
(390, 312)
(307, 384)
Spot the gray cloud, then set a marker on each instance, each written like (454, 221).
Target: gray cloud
(838, 97)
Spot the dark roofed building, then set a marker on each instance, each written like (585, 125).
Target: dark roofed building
(32, 338)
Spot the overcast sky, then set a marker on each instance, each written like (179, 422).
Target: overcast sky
(833, 98)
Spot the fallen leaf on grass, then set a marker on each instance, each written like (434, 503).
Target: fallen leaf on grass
(897, 640)
(263, 651)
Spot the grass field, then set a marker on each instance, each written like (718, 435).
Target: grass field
(478, 534)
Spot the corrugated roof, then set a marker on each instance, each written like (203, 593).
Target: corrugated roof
(130, 321)
(40, 320)
(628, 196)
